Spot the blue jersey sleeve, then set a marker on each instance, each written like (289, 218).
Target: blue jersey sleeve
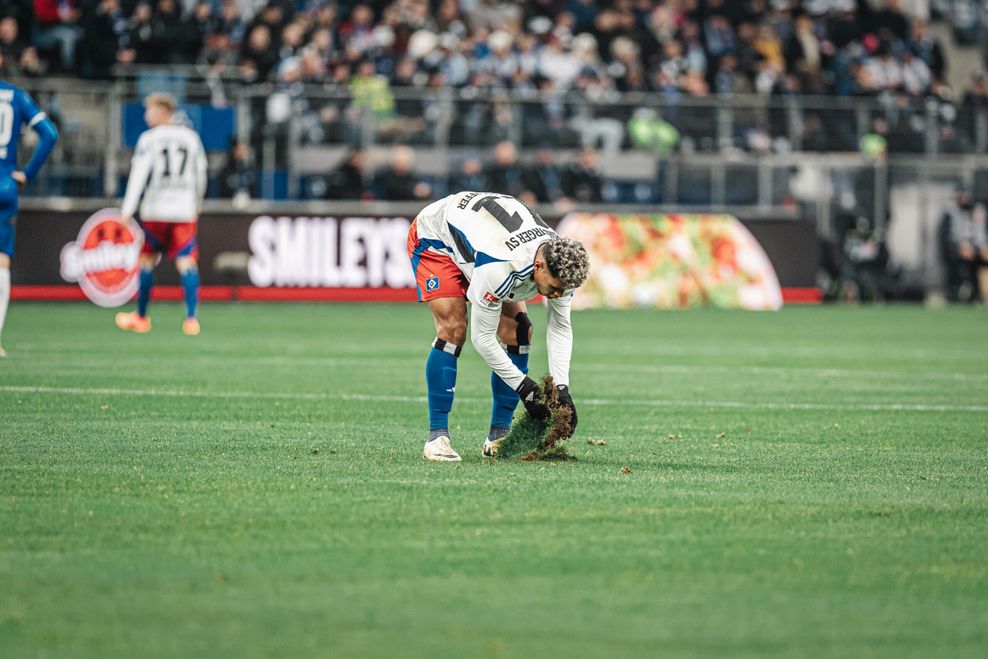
(32, 115)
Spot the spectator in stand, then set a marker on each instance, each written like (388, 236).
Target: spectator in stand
(372, 92)
(358, 29)
(893, 19)
(804, 52)
(720, 38)
(470, 176)
(19, 57)
(292, 40)
(201, 25)
(728, 80)
(626, 68)
(582, 180)
(172, 39)
(11, 43)
(230, 23)
(347, 180)
(767, 44)
(584, 13)
(140, 36)
(916, 76)
(675, 47)
(926, 47)
(964, 240)
(542, 178)
(976, 95)
(693, 47)
(504, 174)
(57, 30)
(399, 183)
(259, 55)
(104, 28)
(239, 175)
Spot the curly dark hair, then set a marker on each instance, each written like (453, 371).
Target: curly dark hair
(567, 260)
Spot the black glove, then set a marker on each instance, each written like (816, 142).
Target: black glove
(531, 397)
(565, 400)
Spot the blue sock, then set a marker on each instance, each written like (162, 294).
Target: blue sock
(440, 378)
(146, 283)
(190, 283)
(505, 398)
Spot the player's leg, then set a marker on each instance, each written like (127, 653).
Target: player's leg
(4, 289)
(188, 270)
(145, 265)
(185, 251)
(156, 236)
(8, 212)
(137, 320)
(450, 316)
(442, 285)
(515, 332)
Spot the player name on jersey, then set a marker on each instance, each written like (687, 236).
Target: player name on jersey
(351, 252)
(527, 236)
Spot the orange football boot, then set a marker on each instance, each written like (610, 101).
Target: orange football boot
(191, 326)
(131, 322)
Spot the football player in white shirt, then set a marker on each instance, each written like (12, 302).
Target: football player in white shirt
(493, 251)
(168, 178)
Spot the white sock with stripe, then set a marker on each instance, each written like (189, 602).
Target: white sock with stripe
(4, 297)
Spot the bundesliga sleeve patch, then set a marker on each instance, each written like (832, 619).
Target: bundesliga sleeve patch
(490, 297)
(432, 283)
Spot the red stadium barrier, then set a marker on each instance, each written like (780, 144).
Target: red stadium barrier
(802, 295)
(284, 294)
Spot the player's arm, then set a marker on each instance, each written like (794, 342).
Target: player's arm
(559, 347)
(140, 170)
(47, 137)
(485, 315)
(559, 337)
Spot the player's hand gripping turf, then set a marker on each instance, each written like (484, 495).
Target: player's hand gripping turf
(531, 397)
(566, 400)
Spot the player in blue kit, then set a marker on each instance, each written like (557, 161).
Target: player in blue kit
(16, 109)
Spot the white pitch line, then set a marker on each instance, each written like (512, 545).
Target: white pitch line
(679, 369)
(617, 402)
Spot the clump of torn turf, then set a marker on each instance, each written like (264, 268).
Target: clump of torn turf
(533, 439)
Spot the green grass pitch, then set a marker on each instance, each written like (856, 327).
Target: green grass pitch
(809, 483)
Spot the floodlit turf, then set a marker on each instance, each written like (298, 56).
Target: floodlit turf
(811, 483)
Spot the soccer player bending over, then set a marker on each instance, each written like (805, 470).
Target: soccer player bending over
(17, 108)
(169, 170)
(495, 252)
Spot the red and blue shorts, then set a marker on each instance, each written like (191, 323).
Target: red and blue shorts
(436, 275)
(172, 238)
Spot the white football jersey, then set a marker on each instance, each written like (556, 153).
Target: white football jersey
(493, 238)
(169, 170)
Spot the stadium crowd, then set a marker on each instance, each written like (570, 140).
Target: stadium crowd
(694, 47)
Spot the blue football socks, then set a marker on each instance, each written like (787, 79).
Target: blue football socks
(506, 398)
(145, 284)
(190, 284)
(440, 379)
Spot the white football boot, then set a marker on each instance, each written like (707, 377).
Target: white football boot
(439, 450)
